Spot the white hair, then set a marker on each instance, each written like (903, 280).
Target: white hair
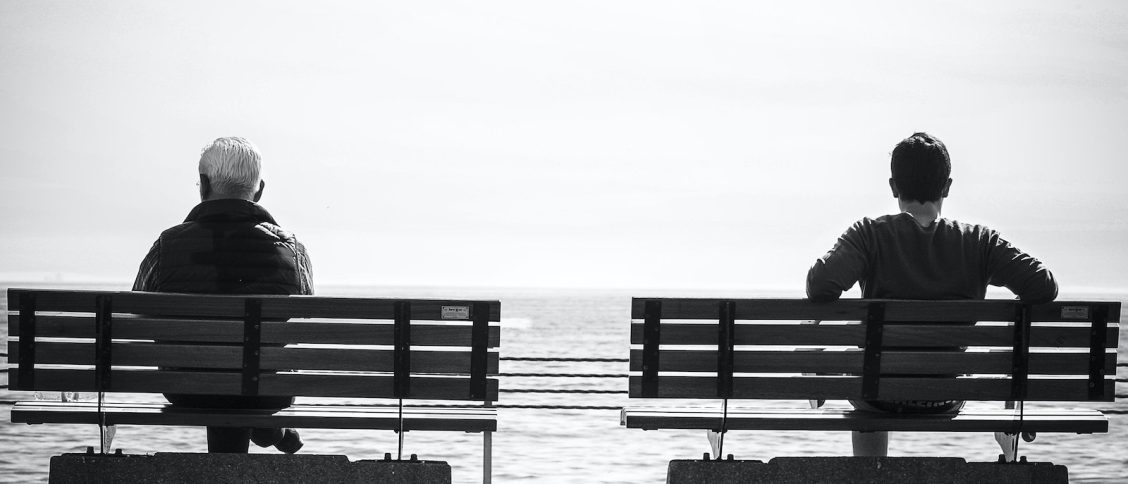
(234, 166)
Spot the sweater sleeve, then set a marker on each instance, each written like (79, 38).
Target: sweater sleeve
(841, 267)
(1019, 272)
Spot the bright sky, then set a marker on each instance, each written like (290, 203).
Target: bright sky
(574, 143)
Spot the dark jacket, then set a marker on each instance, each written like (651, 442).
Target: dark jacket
(226, 246)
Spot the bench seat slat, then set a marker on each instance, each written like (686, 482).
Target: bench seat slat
(1037, 420)
(273, 332)
(299, 384)
(1054, 335)
(468, 419)
(892, 362)
(850, 387)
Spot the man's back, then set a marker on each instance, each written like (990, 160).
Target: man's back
(894, 257)
(226, 246)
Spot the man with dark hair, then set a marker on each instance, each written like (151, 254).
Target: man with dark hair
(230, 245)
(916, 254)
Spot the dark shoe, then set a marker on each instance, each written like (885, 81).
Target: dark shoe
(266, 437)
(290, 443)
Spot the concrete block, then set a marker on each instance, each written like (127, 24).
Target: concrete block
(917, 470)
(240, 468)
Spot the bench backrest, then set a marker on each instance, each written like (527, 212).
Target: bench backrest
(761, 349)
(234, 345)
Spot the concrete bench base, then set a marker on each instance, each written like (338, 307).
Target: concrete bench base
(240, 468)
(917, 470)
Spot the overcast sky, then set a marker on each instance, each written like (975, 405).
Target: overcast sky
(584, 144)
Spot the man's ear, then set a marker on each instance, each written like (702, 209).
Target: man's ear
(893, 186)
(205, 187)
(947, 186)
(258, 194)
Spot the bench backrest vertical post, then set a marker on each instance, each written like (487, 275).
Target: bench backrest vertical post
(651, 338)
(103, 343)
(1098, 330)
(1020, 352)
(479, 343)
(401, 337)
(726, 335)
(252, 344)
(26, 372)
(871, 366)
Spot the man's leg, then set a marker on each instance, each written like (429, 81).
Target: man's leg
(870, 444)
(229, 440)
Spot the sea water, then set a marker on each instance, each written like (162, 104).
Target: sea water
(570, 445)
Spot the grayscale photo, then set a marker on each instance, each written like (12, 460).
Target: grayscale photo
(616, 242)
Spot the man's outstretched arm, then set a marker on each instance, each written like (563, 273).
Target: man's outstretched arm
(1020, 272)
(837, 270)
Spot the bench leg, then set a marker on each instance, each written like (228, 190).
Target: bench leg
(487, 457)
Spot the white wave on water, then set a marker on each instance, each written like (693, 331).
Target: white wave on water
(523, 323)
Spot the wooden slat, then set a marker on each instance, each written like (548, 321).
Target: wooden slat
(131, 327)
(231, 357)
(360, 308)
(206, 305)
(369, 386)
(134, 381)
(132, 302)
(298, 384)
(274, 332)
(422, 334)
(855, 309)
(468, 419)
(345, 359)
(709, 308)
(1041, 335)
(1034, 420)
(138, 354)
(850, 387)
(892, 362)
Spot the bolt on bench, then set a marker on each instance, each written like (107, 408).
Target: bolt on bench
(134, 342)
(757, 349)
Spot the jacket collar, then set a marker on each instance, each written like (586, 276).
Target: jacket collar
(229, 210)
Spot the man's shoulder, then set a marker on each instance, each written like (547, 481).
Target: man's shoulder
(968, 229)
(264, 230)
(277, 233)
(898, 219)
(873, 223)
(176, 230)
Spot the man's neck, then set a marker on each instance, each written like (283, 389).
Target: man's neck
(923, 212)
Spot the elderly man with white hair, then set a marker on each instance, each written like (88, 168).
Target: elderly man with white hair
(229, 244)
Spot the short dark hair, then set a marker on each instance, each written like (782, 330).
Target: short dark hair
(921, 167)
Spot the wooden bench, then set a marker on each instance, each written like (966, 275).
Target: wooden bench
(770, 349)
(406, 350)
